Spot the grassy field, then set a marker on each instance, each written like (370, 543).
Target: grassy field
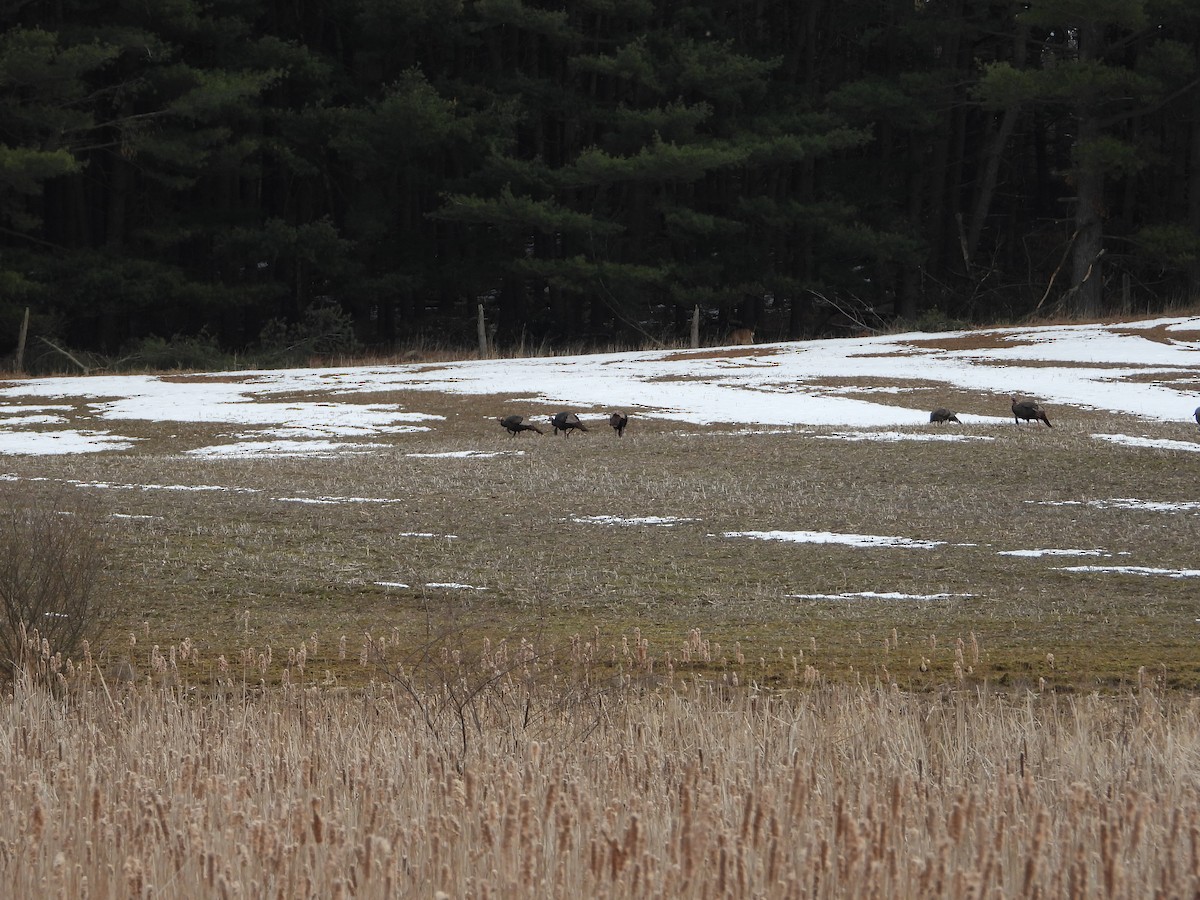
(248, 566)
(405, 673)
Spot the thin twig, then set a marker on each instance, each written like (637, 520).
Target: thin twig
(1062, 262)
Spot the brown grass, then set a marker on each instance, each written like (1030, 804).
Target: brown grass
(243, 563)
(1161, 334)
(548, 785)
(975, 340)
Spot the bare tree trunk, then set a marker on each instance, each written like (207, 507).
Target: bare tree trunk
(696, 327)
(1194, 187)
(1087, 281)
(994, 154)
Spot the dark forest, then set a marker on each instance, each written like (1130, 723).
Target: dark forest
(257, 174)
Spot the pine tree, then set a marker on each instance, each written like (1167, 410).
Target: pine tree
(1082, 78)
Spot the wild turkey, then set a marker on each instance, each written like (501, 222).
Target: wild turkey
(618, 421)
(566, 422)
(941, 414)
(1028, 410)
(514, 425)
(1198, 415)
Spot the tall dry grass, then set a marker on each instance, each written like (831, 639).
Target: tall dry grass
(502, 775)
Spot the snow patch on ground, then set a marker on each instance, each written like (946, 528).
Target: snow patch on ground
(1149, 505)
(1127, 440)
(1052, 552)
(10, 421)
(890, 436)
(740, 432)
(333, 431)
(443, 585)
(1128, 503)
(660, 521)
(876, 595)
(329, 500)
(258, 449)
(1134, 570)
(57, 443)
(466, 454)
(1103, 367)
(201, 488)
(830, 537)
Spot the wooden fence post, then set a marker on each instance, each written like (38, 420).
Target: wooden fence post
(483, 336)
(20, 362)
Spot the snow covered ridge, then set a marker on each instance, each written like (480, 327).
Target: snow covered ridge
(1147, 369)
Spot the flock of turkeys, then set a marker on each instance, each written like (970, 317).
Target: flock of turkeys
(1022, 410)
(566, 422)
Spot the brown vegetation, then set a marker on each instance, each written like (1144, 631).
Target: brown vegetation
(272, 716)
(514, 775)
(740, 336)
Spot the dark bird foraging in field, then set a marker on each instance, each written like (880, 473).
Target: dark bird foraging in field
(618, 421)
(1029, 410)
(514, 425)
(941, 414)
(1198, 415)
(566, 422)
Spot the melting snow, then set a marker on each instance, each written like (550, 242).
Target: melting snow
(829, 537)
(662, 521)
(324, 500)
(1134, 570)
(54, 443)
(1126, 440)
(876, 595)
(10, 421)
(202, 488)
(888, 436)
(280, 448)
(466, 454)
(1108, 367)
(1051, 552)
(1127, 503)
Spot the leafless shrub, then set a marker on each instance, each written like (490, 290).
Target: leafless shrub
(51, 560)
(464, 690)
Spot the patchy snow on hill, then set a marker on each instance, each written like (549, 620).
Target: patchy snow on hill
(1147, 369)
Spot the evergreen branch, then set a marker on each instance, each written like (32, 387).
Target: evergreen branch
(33, 240)
(1152, 108)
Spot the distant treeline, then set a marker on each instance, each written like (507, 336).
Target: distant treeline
(255, 172)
